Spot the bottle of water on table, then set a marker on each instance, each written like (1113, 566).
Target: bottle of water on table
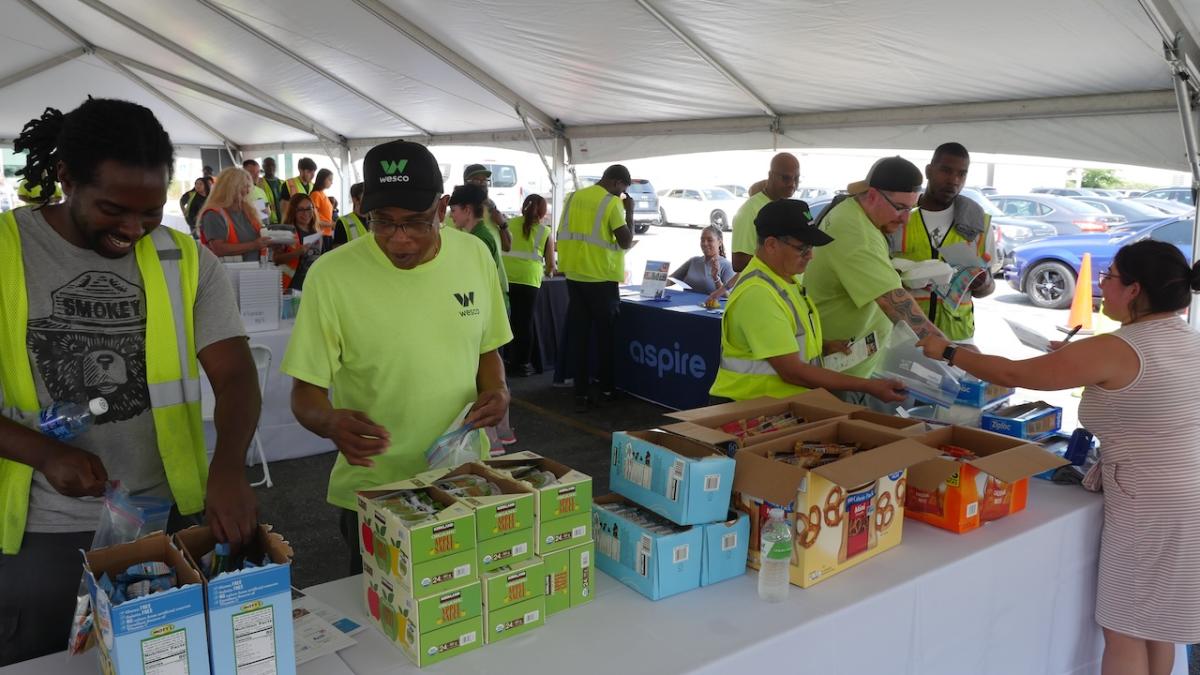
(776, 558)
(66, 420)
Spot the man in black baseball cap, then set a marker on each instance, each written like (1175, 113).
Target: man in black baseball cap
(771, 338)
(404, 326)
(493, 218)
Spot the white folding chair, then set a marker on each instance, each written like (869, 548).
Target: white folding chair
(262, 362)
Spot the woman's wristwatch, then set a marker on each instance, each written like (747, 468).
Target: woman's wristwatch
(949, 352)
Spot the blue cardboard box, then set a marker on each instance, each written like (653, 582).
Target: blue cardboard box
(249, 610)
(725, 547)
(156, 633)
(976, 393)
(1028, 421)
(679, 479)
(653, 563)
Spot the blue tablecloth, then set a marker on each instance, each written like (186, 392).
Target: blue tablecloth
(667, 350)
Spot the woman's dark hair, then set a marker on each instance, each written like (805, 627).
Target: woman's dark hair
(294, 203)
(1166, 278)
(319, 181)
(533, 205)
(469, 195)
(100, 129)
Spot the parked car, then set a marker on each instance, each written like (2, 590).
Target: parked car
(698, 206)
(1066, 215)
(1046, 271)
(736, 190)
(1166, 205)
(645, 205)
(1009, 231)
(1133, 211)
(810, 193)
(1064, 192)
(1175, 194)
(986, 190)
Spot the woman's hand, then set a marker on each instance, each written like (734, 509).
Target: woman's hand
(934, 346)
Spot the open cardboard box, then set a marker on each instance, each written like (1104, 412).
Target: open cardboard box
(960, 495)
(841, 513)
(679, 479)
(655, 564)
(563, 511)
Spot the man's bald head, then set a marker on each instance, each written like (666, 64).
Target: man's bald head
(784, 176)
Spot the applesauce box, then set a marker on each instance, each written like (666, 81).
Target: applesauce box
(514, 583)
(423, 554)
(407, 621)
(569, 496)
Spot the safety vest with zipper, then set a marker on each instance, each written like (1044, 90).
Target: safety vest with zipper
(525, 263)
(353, 225)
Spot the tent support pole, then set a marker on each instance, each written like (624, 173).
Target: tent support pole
(42, 67)
(537, 147)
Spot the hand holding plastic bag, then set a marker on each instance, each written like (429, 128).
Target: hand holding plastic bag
(459, 445)
(924, 377)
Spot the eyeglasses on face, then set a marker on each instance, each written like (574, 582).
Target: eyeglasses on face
(900, 208)
(802, 249)
(411, 229)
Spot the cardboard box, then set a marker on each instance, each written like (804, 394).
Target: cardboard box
(571, 495)
(677, 478)
(556, 571)
(156, 632)
(512, 584)
(655, 565)
(842, 513)
(581, 560)
(960, 495)
(725, 548)
(703, 425)
(394, 611)
(1030, 421)
(426, 556)
(979, 394)
(563, 533)
(507, 621)
(249, 610)
(496, 515)
(507, 549)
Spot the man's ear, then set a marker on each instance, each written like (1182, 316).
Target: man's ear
(442, 205)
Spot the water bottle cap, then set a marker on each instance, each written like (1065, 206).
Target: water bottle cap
(98, 406)
(775, 513)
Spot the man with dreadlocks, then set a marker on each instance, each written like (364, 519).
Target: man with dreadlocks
(98, 300)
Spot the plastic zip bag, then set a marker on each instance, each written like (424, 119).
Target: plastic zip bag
(931, 380)
(459, 445)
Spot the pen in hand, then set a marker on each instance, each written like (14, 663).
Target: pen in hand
(1072, 333)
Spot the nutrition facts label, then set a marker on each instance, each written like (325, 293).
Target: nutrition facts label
(166, 654)
(254, 642)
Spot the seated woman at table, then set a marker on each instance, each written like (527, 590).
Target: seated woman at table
(708, 272)
(1140, 399)
(295, 260)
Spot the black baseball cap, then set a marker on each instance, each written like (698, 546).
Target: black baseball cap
(474, 170)
(891, 174)
(400, 174)
(789, 218)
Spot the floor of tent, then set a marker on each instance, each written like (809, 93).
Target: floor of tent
(544, 421)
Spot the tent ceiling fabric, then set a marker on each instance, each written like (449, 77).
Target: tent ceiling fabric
(623, 84)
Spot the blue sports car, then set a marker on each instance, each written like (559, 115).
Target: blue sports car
(1047, 270)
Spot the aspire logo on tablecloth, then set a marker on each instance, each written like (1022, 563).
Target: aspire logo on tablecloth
(668, 359)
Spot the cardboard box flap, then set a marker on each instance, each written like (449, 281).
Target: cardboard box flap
(1020, 462)
(156, 547)
(982, 443)
(698, 433)
(764, 478)
(731, 410)
(929, 475)
(863, 467)
(678, 445)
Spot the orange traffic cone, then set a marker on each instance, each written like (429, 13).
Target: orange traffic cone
(1081, 304)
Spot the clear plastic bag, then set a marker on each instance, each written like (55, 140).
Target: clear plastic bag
(454, 448)
(931, 380)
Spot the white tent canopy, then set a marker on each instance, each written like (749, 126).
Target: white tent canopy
(1084, 79)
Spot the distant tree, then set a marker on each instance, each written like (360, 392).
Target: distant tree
(1100, 178)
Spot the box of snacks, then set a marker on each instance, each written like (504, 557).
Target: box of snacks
(677, 478)
(563, 502)
(645, 551)
(841, 485)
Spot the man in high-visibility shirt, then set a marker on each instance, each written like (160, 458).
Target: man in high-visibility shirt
(101, 302)
(354, 224)
(302, 184)
(944, 217)
(782, 179)
(272, 185)
(593, 235)
(771, 342)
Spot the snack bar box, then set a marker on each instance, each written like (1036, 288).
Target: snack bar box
(655, 565)
(249, 610)
(842, 513)
(726, 545)
(679, 479)
(563, 511)
(504, 522)
(156, 633)
(959, 495)
(1028, 421)
(422, 556)
(570, 577)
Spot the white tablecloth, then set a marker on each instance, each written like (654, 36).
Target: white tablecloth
(281, 435)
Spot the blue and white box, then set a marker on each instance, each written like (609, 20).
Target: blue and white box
(1028, 421)
(725, 547)
(163, 632)
(653, 563)
(249, 610)
(976, 393)
(679, 479)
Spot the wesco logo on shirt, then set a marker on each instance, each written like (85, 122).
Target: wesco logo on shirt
(668, 360)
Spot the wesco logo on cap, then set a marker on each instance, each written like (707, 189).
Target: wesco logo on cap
(391, 169)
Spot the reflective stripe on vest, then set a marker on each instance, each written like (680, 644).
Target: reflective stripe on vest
(595, 237)
(169, 264)
(806, 335)
(539, 240)
(353, 225)
(230, 231)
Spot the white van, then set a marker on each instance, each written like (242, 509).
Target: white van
(515, 175)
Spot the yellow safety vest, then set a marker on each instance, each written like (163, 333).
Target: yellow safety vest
(956, 324)
(586, 248)
(169, 265)
(525, 263)
(743, 378)
(297, 187)
(353, 225)
(272, 199)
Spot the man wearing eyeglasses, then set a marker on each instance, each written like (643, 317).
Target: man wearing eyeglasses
(852, 281)
(771, 338)
(404, 326)
(493, 218)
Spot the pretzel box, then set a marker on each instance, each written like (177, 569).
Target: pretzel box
(422, 554)
(842, 512)
(657, 560)
(569, 496)
(677, 478)
(960, 492)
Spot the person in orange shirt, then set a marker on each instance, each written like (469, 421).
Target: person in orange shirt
(321, 203)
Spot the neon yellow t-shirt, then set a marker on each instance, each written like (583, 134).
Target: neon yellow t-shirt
(846, 276)
(406, 353)
(745, 236)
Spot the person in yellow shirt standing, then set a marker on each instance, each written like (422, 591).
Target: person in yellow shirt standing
(771, 341)
(593, 236)
(531, 258)
(781, 183)
(407, 357)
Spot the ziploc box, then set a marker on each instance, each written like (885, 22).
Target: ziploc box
(703, 425)
(976, 393)
(447, 623)
(570, 496)
(725, 548)
(677, 478)
(960, 495)
(1030, 421)
(842, 513)
(157, 633)
(423, 556)
(249, 610)
(655, 565)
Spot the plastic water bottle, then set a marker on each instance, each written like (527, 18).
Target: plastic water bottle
(66, 420)
(775, 559)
